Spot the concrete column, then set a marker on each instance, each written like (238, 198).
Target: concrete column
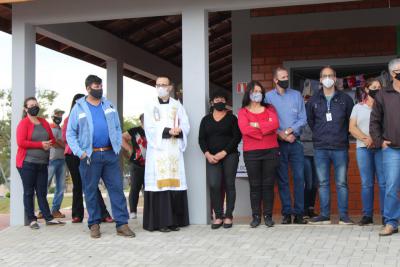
(195, 98)
(115, 93)
(23, 86)
(241, 72)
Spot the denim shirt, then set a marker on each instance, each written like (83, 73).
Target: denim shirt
(80, 127)
(290, 108)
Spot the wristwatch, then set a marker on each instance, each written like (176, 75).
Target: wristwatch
(286, 132)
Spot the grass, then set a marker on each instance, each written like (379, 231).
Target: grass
(5, 204)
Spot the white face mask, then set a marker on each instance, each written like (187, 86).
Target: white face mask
(328, 82)
(256, 97)
(162, 91)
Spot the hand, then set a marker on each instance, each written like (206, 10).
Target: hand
(291, 138)
(368, 142)
(386, 144)
(177, 131)
(255, 124)
(84, 155)
(282, 135)
(220, 155)
(211, 158)
(46, 145)
(289, 131)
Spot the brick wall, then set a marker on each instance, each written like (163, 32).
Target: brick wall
(270, 50)
(330, 7)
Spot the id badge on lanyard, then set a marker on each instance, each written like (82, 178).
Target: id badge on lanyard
(329, 114)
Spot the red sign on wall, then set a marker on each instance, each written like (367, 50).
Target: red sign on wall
(241, 87)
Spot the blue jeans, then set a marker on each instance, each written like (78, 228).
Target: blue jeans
(310, 182)
(370, 165)
(291, 153)
(103, 165)
(34, 180)
(57, 169)
(340, 160)
(391, 172)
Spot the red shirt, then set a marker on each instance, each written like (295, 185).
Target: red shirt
(67, 150)
(24, 138)
(266, 136)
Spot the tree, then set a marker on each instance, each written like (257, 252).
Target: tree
(45, 99)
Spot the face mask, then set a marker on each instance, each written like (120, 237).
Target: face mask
(57, 120)
(96, 93)
(220, 106)
(372, 93)
(33, 111)
(283, 84)
(328, 82)
(256, 97)
(397, 77)
(162, 91)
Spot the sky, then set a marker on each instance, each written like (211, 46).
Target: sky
(66, 75)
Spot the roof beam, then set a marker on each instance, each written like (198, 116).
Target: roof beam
(45, 12)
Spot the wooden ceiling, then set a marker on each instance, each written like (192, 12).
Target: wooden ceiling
(161, 36)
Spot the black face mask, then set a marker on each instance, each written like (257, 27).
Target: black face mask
(33, 111)
(397, 77)
(283, 83)
(372, 93)
(220, 106)
(96, 93)
(57, 120)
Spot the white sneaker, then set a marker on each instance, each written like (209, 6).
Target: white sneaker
(133, 215)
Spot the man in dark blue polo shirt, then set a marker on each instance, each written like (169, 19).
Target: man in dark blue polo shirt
(328, 114)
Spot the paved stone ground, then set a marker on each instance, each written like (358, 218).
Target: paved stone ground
(306, 245)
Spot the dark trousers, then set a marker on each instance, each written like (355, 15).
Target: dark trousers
(77, 194)
(34, 179)
(262, 176)
(103, 165)
(137, 183)
(224, 172)
(310, 183)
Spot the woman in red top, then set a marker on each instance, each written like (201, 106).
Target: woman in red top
(258, 123)
(34, 139)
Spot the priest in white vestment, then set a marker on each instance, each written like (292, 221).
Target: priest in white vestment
(166, 126)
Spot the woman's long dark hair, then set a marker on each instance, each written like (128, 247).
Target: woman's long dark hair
(24, 114)
(250, 88)
(76, 97)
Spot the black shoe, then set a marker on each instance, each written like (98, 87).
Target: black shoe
(164, 230)
(174, 228)
(320, 220)
(256, 221)
(298, 219)
(216, 225)
(287, 219)
(268, 220)
(311, 213)
(228, 225)
(366, 220)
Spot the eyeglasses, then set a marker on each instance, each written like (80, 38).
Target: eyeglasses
(161, 85)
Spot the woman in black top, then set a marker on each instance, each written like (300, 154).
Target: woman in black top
(219, 137)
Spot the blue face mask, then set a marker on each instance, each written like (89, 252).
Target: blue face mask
(256, 97)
